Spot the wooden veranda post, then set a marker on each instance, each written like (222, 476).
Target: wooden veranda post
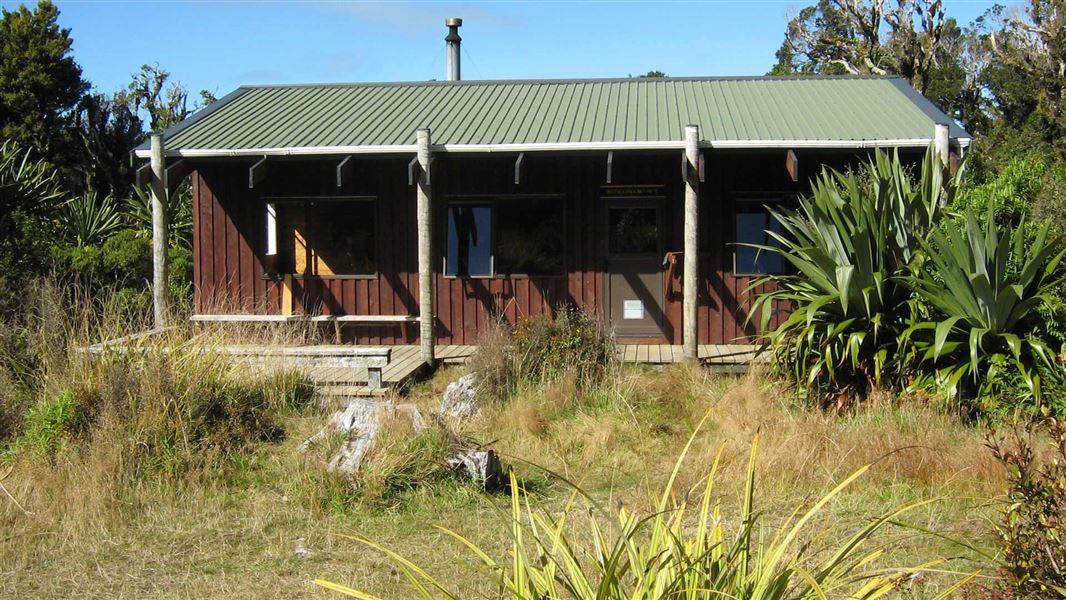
(160, 234)
(425, 250)
(942, 141)
(690, 286)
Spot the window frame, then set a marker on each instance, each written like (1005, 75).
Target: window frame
(756, 203)
(307, 202)
(493, 201)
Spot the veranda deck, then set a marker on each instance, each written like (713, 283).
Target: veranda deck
(406, 363)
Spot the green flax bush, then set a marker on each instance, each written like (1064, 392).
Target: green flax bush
(851, 244)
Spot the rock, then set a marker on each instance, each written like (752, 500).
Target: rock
(361, 420)
(481, 466)
(460, 399)
(300, 550)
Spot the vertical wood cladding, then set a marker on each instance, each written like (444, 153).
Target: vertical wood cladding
(229, 222)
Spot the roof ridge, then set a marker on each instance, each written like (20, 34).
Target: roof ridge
(465, 82)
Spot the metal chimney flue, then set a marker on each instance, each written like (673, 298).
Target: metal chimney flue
(453, 40)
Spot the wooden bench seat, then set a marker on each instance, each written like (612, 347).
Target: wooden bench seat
(365, 319)
(373, 358)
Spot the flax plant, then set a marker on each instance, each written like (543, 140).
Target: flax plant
(986, 286)
(850, 245)
(683, 550)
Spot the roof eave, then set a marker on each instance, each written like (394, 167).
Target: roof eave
(551, 147)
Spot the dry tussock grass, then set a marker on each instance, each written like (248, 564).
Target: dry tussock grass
(227, 527)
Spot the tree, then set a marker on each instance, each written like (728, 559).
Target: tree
(39, 81)
(910, 38)
(108, 132)
(166, 102)
(1026, 76)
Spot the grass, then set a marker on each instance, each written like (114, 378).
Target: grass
(171, 475)
(207, 535)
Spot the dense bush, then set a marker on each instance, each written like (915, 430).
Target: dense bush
(50, 424)
(850, 243)
(985, 284)
(122, 265)
(29, 189)
(573, 342)
(1026, 184)
(891, 291)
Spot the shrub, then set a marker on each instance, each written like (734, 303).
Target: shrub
(986, 287)
(1032, 531)
(670, 554)
(161, 414)
(571, 342)
(850, 242)
(1024, 185)
(90, 219)
(29, 189)
(51, 423)
(542, 350)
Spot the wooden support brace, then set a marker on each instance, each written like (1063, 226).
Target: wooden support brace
(518, 168)
(344, 170)
(411, 166)
(689, 170)
(257, 172)
(792, 166)
(610, 165)
(144, 174)
(175, 173)
(412, 176)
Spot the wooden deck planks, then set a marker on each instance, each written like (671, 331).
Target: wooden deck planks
(406, 361)
(666, 354)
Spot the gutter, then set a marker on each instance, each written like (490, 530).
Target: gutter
(553, 147)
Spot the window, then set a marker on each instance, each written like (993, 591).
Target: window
(469, 240)
(530, 238)
(325, 238)
(508, 236)
(633, 230)
(751, 228)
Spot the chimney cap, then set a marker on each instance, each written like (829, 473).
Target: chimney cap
(453, 22)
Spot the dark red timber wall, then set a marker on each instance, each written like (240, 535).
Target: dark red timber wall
(229, 222)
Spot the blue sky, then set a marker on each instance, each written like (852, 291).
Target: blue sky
(220, 45)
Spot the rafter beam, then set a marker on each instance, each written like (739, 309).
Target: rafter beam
(415, 170)
(518, 168)
(175, 174)
(792, 166)
(344, 170)
(144, 174)
(257, 172)
(688, 169)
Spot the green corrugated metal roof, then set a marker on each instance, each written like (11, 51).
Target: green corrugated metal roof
(472, 115)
